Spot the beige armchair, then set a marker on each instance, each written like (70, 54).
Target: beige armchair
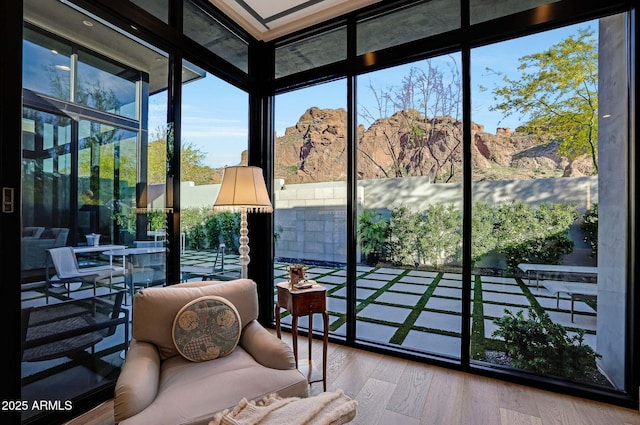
(157, 385)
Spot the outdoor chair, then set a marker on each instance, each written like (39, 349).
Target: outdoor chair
(67, 270)
(144, 269)
(205, 272)
(67, 328)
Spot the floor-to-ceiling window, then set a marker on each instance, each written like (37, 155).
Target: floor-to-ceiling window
(541, 107)
(51, 157)
(409, 228)
(214, 135)
(310, 192)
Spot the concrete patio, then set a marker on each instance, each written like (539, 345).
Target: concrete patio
(421, 310)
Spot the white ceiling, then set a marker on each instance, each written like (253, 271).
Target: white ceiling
(270, 19)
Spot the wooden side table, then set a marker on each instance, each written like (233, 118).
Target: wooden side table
(302, 302)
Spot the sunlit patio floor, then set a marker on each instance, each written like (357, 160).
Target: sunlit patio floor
(413, 309)
(421, 310)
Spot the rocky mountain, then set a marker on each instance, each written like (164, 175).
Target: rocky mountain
(408, 144)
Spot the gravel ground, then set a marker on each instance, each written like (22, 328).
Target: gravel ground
(501, 358)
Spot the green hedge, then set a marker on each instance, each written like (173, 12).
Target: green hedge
(206, 229)
(518, 231)
(526, 233)
(589, 226)
(432, 236)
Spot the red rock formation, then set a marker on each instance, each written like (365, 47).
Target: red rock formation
(408, 144)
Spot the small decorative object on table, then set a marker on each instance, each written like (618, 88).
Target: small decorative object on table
(304, 284)
(93, 239)
(296, 273)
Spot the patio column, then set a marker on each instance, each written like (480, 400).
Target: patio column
(612, 196)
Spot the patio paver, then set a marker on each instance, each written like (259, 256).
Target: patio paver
(374, 331)
(422, 273)
(332, 279)
(505, 298)
(497, 310)
(434, 320)
(433, 343)
(386, 313)
(420, 280)
(398, 298)
(445, 304)
(409, 287)
(371, 283)
(502, 288)
(337, 305)
(443, 291)
(361, 293)
(381, 276)
(450, 283)
(387, 270)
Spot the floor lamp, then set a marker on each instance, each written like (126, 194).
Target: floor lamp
(243, 189)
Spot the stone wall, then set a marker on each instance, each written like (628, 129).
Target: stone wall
(311, 222)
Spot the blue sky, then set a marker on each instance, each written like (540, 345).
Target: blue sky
(215, 114)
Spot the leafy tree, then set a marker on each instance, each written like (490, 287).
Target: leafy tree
(557, 91)
(533, 234)
(192, 159)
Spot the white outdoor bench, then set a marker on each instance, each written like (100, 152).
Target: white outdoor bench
(577, 291)
(529, 268)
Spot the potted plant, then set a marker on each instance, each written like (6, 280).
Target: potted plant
(373, 232)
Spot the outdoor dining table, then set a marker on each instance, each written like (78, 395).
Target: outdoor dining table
(148, 271)
(124, 252)
(537, 269)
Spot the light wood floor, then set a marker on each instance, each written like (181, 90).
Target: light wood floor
(393, 391)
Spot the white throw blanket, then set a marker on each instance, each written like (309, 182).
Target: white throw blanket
(327, 408)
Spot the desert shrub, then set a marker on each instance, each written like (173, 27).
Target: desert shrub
(539, 345)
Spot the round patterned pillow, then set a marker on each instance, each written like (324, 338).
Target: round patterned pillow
(206, 328)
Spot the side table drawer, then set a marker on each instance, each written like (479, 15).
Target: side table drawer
(309, 303)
